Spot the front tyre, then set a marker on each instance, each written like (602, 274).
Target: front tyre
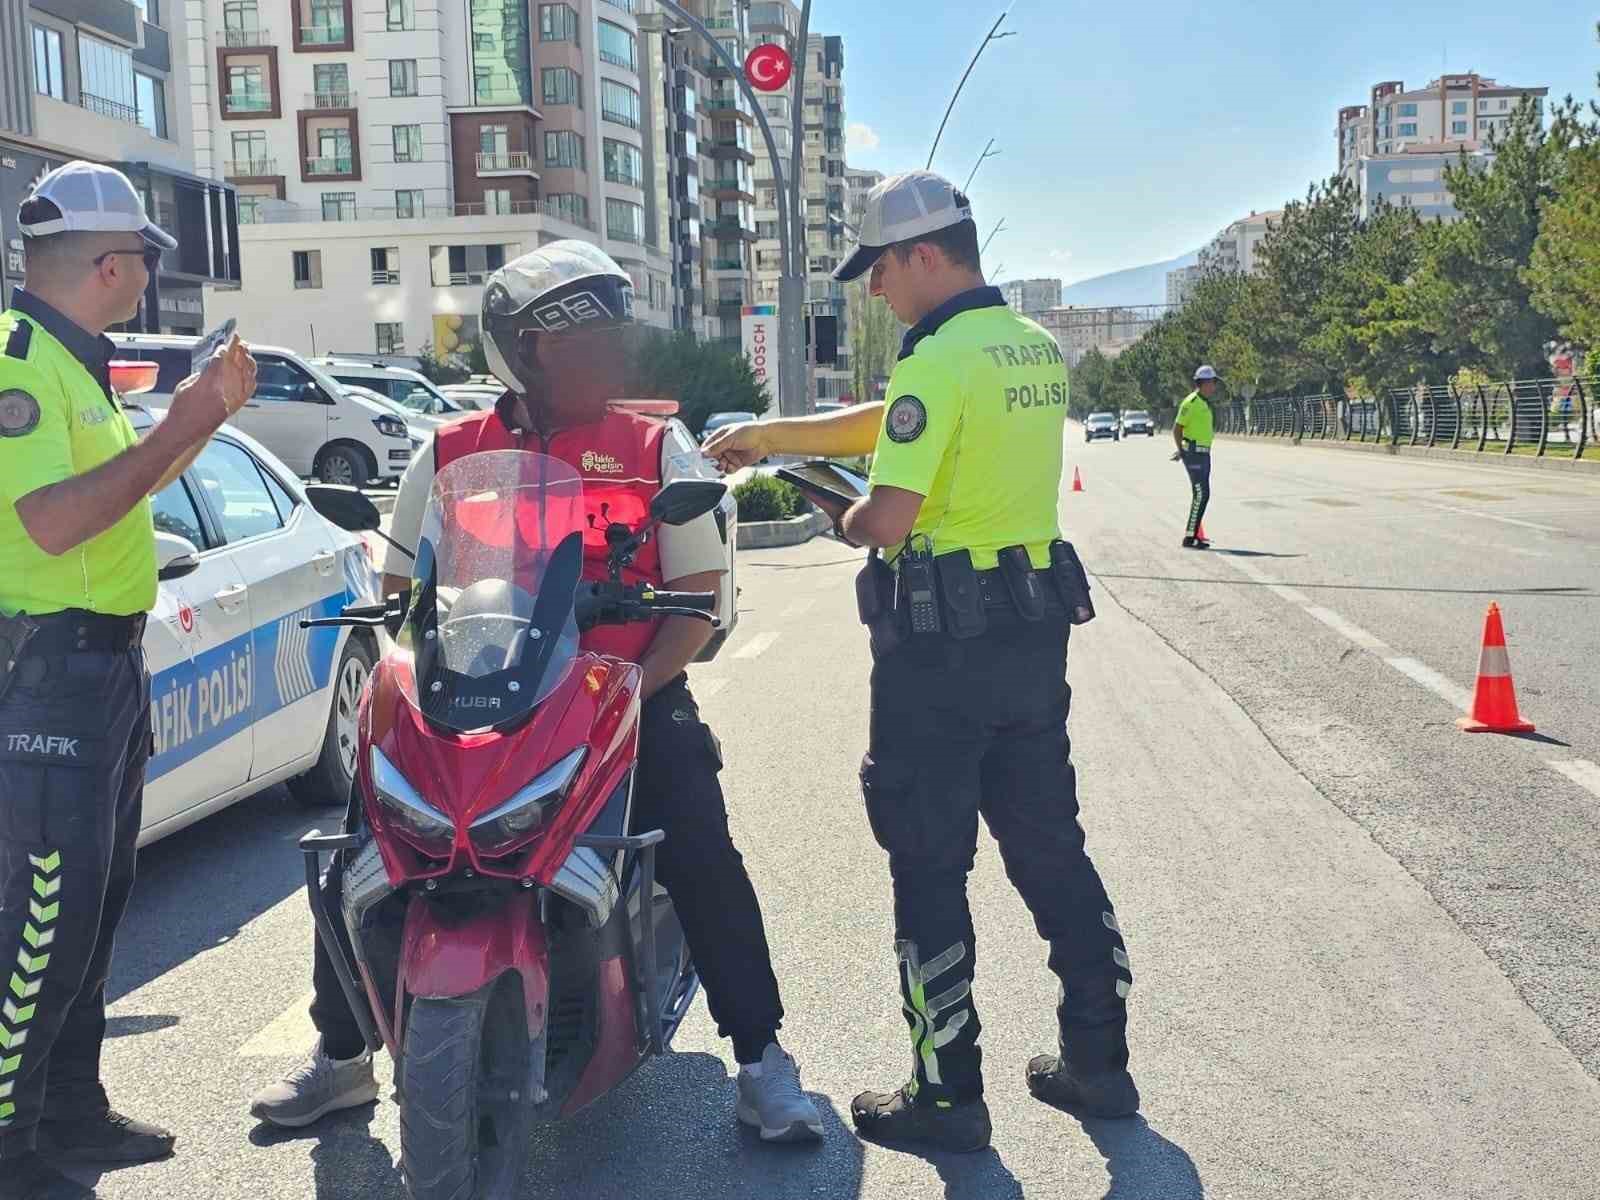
(466, 1110)
(328, 782)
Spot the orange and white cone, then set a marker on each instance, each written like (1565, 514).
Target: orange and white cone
(1494, 699)
(1077, 480)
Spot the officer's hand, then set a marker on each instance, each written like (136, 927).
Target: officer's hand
(737, 446)
(203, 402)
(1176, 456)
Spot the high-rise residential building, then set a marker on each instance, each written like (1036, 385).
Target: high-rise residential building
(1237, 247)
(857, 183)
(1415, 178)
(820, 161)
(389, 158)
(1452, 108)
(1030, 297)
(1181, 283)
(106, 81)
(1109, 330)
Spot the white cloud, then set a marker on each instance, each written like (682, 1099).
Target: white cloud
(860, 138)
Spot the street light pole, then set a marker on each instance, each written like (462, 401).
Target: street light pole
(795, 399)
(988, 153)
(994, 36)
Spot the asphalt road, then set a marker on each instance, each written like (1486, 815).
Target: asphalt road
(1364, 942)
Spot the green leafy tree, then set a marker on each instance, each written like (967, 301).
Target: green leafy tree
(703, 377)
(1087, 384)
(1563, 273)
(875, 335)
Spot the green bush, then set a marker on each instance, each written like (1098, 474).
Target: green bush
(764, 498)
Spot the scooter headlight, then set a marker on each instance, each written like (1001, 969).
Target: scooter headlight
(428, 829)
(500, 829)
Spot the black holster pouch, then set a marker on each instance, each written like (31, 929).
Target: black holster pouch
(875, 604)
(15, 634)
(1027, 593)
(1073, 582)
(963, 599)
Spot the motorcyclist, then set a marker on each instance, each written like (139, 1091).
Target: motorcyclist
(556, 326)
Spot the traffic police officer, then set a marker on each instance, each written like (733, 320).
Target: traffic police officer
(969, 695)
(1193, 432)
(77, 575)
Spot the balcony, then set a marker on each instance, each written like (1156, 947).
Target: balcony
(250, 168)
(108, 108)
(729, 107)
(730, 227)
(734, 148)
(319, 28)
(330, 98)
(727, 264)
(247, 102)
(244, 39)
(515, 162)
(336, 167)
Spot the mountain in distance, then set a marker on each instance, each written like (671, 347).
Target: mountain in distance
(1136, 285)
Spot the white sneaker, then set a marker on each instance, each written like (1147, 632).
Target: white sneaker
(316, 1088)
(770, 1100)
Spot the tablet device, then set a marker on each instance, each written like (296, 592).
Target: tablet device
(824, 480)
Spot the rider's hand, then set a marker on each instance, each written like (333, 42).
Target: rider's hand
(737, 446)
(1176, 455)
(204, 401)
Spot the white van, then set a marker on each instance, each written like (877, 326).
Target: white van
(299, 412)
(426, 406)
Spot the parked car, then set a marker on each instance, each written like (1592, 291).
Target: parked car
(1101, 425)
(241, 696)
(424, 403)
(1138, 422)
(472, 396)
(718, 419)
(299, 412)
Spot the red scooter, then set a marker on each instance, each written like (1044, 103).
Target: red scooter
(510, 945)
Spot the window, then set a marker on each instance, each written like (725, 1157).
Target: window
(391, 337)
(494, 139)
(403, 77)
(226, 470)
(241, 23)
(561, 85)
(47, 72)
(563, 148)
(249, 209)
(408, 143)
(1459, 128)
(625, 5)
(502, 68)
(624, 221)
(1408, 129)
(327, 23)
(105, 79)
(463, 265)
(338, 206)
(497, 201)
(1408, 110)
(334, 153)
(402, 14)
(408, 203)
(385, 264)
(308, 264)
(1483, 106)
(1458, 107)
(330, 85)
(282, 382)
(1504, 104)
(558, 23)
(619, 103)
(617, 46)
(174, 512)
(624, 163)
(570, 206)
(280, 496)
(150, 95)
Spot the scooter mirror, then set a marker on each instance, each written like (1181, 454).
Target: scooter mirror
(685, 499)
(345, 506)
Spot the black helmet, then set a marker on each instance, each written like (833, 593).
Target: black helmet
(556, 289)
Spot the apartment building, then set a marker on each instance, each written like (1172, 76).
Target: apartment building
(102, 80)
(1237, 247)
(857, 183)
(1030, 297)
(1415, 178)
(1109, 330)
(388, 158)
(1452, 108)
(1181, 284)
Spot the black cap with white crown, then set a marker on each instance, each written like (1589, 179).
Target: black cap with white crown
(86, 197)
(901, 209)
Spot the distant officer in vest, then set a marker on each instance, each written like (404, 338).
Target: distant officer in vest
(556, 325)
(1193, 431)
(77, 576)
(969, 627)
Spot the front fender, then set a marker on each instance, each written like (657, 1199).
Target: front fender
(446, 956)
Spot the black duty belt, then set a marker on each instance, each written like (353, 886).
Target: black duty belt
(74, 631)
(1192, 448)
(992, 587)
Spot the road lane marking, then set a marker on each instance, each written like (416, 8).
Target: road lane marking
(1436, 683)
(756, 645)
(1468, 512)
(798, 609)
(707, 688)
(1349, 631)
(290, 1035)
(1581, 771)
(1251, 571)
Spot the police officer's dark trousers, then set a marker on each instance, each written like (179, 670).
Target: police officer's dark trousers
(1198, 465)
(959, 728)
(74, 742)
(677, 791)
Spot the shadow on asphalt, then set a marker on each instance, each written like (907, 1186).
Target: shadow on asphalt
(981, 1176)
(1142, 1164)
(1555, 593)
(199, 887)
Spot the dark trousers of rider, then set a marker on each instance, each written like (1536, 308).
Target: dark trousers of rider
(1199, 468)
(979, 726)
(677, 791)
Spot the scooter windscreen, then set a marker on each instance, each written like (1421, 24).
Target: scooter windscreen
(492, 631)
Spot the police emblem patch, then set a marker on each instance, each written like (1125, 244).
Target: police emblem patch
(19, 413)
(907, 419)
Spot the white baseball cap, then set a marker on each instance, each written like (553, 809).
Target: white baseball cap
(1205, 373)
(900, 209)
(86, 197)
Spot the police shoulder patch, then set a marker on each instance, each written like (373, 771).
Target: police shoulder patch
(19, 412)
(907, 419)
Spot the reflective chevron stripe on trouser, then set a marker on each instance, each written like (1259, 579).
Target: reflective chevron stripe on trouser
(33, 957)
(935, 1020)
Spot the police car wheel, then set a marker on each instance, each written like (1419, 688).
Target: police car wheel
(328, 783)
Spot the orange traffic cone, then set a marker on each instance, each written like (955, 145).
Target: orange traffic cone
(1077, 480)
(1494, 699)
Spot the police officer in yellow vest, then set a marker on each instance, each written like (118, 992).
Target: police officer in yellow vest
(1193, 430)
(969, 625)
(77, 575)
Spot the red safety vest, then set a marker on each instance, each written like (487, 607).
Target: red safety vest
(619, 459)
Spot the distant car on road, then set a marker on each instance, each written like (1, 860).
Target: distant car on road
(1101, 425)
(719, 419)
(424, 404)
(1138, 422)
(474, 396)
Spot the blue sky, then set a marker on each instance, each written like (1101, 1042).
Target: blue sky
(1132, 132)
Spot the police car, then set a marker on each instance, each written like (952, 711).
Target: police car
(241, 696)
